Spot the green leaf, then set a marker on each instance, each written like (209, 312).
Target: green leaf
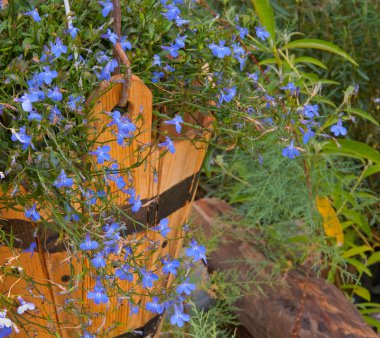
(363, 114)
(309, 59)
(362, 292)
(373, 169)
(321, 45)
(352, 149)
(264, 11)
(359, 266)
(356, 251)
(268, 61)
(374, 258)
(372, 321)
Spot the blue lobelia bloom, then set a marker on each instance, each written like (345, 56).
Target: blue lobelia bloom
(253, 76)
(47, 75)
(55, 94)
(169, 69)
(180, 41)
(237, 49)
(310, 111)
(180, 22)
(24, 306)
(290, 151)
(34, 116)
(227, 95)
(87, 334)
(179, 318)
(176, 121)
(88, 244)
(34, 14)
(98, 295)
(73, 31)
(262, 33)
(111, 230)
(101, 57)
(220, 51)
(55, 115)
(148, 278)
(125, 44)
(136, 203)
(168, 144)
(242, 32)
(307, 135)
(163, 227)
(98, 261)
(291, 87)
(26, 101)
(170, 266)
(123, 273)
(172, 49)
(22, 137)
(157, 76)
(111, 36)
(241, 61)
(105, 73)
(185, 287)
(58, 48)
(103, 154)
(156, 60)
(32, 213)
(5, 324)
(107, 7)
(31, 248)
(197, 252)
(172, 12)
(63, 181)
(125, 126)
(338, 128)
(154, 306)
(134, 309)
(74, 103)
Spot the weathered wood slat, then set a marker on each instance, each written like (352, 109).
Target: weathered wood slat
(326, 312)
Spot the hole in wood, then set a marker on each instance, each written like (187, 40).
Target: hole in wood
(65, 278)
(164, 244)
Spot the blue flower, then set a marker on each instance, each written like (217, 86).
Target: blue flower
(170, 266)
(134, 309)
(172, 49)
(237, 49)
(31, 248)
(169, 69)
(185, 287)
(311, 111)
(180, 22)
(338, 128)
(156, 61)
(125, 127)
(5, 324)
(98, 295)
(179, 318)
(291, 87)
(88, 244)
(123, 273)
(197, 252)
(111, 230)
(47, 75)
(176, 121)
(125, 44)
(172, 12)
(136, 203)
(307, 135)
(220, 50)
(168, 144)
(55, 115)
(63, 181)
(253, 76)
(290, 151)
(103, 154)
(243, 31)
(32, 213)
(34, 14)
(87, 334)
(22, 137)
(107, 7)
(154, 306)
(241, 61)
(73, 31)
(74, 103)
(148, 278)
(98, 261)
(101, 57)
(163, 227)
(105, 73)
(110, 36)
(24, 306)
(26, 101)
(262, 33)
(157, 76)
(227, 95)
(55, 94)
(180, 41)
(58, 48)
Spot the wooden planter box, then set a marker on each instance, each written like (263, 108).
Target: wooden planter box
(55, 271)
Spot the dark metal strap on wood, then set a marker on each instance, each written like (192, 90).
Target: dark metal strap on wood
(149, 215)
(147, 331)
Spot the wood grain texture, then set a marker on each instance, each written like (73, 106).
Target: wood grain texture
(326, 314)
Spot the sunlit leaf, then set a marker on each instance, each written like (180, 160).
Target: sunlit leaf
(265, 13)
(310, 60)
